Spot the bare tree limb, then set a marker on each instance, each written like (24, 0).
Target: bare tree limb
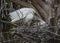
(40, 10)
(9, 23)
(25, 4)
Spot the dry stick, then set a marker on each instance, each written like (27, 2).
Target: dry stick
(47, 8)
(40, 10)
(56, 14)
(25, 36)
(1, 24)
(25, 4)
(10, 9)
(43, 5)
(9, 23)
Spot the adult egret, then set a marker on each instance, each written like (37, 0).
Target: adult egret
(24, 13)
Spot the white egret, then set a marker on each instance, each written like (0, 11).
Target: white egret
(26, 13)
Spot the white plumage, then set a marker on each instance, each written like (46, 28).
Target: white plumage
(26, 13)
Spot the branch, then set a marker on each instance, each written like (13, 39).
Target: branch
(25, 4)
(9, 23)
(40, 10)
